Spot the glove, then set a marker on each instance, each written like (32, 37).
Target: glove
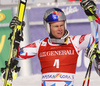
(18, 38)
(89, 52)
(90, 8)
(14, 22)
(92, 52)
(18, 34)
(13, 70)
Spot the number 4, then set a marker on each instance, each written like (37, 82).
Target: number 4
(56, 63)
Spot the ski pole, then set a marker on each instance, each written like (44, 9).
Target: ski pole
(88, 70)
(89, 73)
(90, 66)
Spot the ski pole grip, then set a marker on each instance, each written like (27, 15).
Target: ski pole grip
(98, 19)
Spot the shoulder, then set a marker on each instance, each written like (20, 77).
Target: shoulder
(38, 42)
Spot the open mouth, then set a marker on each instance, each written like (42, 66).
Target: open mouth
(60, 33)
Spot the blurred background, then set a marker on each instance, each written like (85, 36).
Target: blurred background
(77, 23)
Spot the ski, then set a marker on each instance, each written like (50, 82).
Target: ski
(13, 52)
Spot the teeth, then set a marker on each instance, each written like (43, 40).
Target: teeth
(60, 33)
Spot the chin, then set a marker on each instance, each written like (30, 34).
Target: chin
(58, 37)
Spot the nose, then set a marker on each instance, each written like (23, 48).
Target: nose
(60, 28)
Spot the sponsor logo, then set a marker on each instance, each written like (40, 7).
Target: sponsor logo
(2, 16)
(60, 76)
(70, 10)
(55, 53)
(56, 13)
(81, 39)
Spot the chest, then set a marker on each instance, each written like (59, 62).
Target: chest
(57, 58)
(63, 51)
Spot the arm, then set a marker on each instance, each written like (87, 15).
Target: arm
(93, 52)
(29, 51)
(85, 41)
(81, 42)
(95, 30)
(89, 8)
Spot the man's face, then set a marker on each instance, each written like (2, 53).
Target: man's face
(57, 28)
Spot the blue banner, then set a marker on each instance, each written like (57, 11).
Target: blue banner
(71, 12)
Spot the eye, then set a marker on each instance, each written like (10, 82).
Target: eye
(56, 26)
(62, 25)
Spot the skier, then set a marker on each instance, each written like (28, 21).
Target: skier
(59, 52)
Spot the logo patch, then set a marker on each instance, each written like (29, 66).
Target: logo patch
(82, 38)
(44, 43)
(56, 13)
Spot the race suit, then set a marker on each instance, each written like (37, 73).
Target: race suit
(58, 61)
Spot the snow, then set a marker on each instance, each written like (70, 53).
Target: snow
(35, 80)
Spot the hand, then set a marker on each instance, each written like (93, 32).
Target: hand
(89, 52)
(13, 70)
(14, 22)
(89, 7)
(19, 33)
(18, 38)
(92, 52)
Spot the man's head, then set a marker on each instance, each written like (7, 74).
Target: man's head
(55, 23)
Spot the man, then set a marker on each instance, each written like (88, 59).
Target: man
(58, 54)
